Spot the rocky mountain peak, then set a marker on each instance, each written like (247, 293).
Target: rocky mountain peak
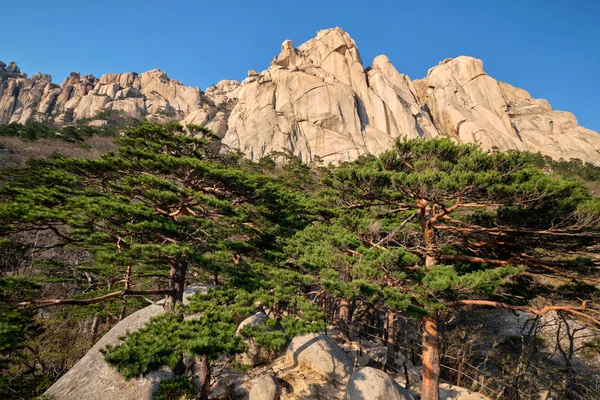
(10, 71)
(318, 99)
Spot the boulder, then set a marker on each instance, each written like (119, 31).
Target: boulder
(264, 387)
(255, 354)
(321, 354)
(452, 392)
(373, 384)
(91, 378)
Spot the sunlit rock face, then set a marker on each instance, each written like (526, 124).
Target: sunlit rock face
(319, 100)
(316, 100)
(470, 106)
(151, 95)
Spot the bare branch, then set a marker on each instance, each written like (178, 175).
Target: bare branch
(575, 310)
(113, 295)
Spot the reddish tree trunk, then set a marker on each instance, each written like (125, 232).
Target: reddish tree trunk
(431, 359)
(343, 317)
(390, 360)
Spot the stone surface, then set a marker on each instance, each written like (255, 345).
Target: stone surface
(91, 378)
(452, 392)
(318, 99)
(321, 354)
(373, 384)
(255, 354)
(150, 95)
(467, 104)
(264, 387)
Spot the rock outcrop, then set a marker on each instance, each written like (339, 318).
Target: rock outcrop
(317, 101)
(373, 384)
(150, 95)
(321, 354)
(470, 106)
(91, 378)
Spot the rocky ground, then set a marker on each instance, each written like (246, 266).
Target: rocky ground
(314, 366)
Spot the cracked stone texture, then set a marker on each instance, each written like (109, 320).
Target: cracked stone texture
(318, 100)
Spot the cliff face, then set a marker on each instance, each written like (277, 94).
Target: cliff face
(151, 95)
(318, 100)
(467, 104)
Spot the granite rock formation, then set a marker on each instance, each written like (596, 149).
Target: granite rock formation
(317, 100)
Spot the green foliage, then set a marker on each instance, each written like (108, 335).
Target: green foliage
(178, 388)
(424, 224)
(17, 327)
(34, 130)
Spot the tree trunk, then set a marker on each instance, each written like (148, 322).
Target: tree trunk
(176, 284)
(201, 371)
(428, 233)
(94, 327)
(431, 359)
(390, 359)
(343, 316)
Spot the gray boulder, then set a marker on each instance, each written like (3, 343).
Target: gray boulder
(373, 384)
(255, 354)
(91, 378)
(264, 387)
(321, 354)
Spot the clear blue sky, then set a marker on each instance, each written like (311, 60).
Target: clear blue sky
(549, 47)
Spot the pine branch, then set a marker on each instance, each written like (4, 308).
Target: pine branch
(547, 265)
(113, 295)
(504, 232)
(575, 310)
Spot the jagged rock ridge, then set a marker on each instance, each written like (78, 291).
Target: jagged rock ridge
(318, 100)
(151, 95)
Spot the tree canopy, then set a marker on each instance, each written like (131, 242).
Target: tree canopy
(424, 228)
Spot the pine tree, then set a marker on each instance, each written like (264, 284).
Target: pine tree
(476, 220)
(170, 203)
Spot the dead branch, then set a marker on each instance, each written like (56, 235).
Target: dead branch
(575, 310)
(113, 295)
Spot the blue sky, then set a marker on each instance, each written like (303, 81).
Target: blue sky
(549, 47)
